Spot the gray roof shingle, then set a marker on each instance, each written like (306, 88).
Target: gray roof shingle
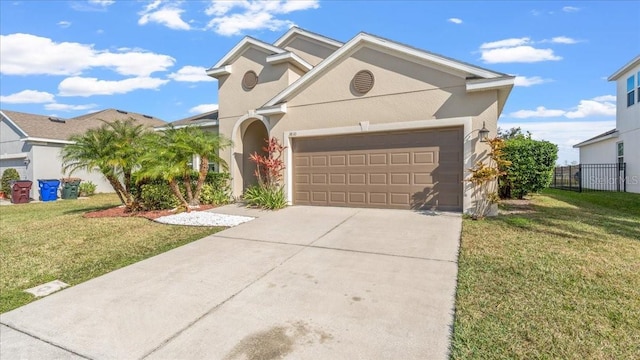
(40, 126)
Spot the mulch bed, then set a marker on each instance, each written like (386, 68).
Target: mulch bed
(119, 211)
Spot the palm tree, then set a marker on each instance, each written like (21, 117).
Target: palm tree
(113, 149)
(205, 145)
(170, 156)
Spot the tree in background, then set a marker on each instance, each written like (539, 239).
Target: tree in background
(532, 163)
(114, 150)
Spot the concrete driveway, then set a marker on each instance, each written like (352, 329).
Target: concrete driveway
(299, 283)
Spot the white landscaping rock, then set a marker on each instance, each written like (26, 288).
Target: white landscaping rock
(203, 218)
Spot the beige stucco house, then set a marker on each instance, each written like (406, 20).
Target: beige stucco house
(368, 123)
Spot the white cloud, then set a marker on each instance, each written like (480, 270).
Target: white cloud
(530, 81)
(598, 106)
(234, 17)
(203, 108)
(191, 74)
(68, 107)
(516, 50)
(102, 2)
(26, 54)
(570, 9)
(91, 5)
(28, 97)
(563, 40)
(518, 54)
(64, 24)
(133, 62)
(505, 43)
(169, 15)
(592, 107)
(609, 98)
(540, 111)
(83, 86)
(563, 133)
(455, 20)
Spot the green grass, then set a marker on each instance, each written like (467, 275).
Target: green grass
(559, 282)
(41, 242)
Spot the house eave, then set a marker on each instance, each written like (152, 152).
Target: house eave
(12, 123)
(616, 75)
(489, 84)
(45, 140)
(272, 110)
(14, 156)
(613, 135)
(219, 71)
(291, 58)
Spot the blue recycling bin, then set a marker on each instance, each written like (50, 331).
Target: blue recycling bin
(48, 189)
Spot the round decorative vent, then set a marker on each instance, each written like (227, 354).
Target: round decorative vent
(250, 80)
(363, 81)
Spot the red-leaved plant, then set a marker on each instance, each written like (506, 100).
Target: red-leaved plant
(269, 167)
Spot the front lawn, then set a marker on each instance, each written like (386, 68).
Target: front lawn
(41, 242)
(560, 280)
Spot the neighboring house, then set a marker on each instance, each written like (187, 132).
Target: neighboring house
(622, 144)
(368, 123)
(207, 121)
(31, 143)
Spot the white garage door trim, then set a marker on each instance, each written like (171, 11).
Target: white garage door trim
(465, 122)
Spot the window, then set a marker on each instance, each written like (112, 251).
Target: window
(631, 87)
(620, 154)
(638, 78)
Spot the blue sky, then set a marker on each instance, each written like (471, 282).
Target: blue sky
(68, 58)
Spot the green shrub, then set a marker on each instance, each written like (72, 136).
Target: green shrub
(87, 188)
(8, 176)
(211, 195)
(531, 169)
(158, 196)
(270, 198)
(216, 189)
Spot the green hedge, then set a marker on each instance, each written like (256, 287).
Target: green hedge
(531, 169)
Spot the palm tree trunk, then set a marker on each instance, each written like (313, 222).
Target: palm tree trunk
(173, 184)
(202, 176)
(115, 184)
(187, 185)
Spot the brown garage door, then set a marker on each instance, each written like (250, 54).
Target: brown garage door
(418, 169)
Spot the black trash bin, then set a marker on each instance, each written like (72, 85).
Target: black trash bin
(70, 188)
(20, 190)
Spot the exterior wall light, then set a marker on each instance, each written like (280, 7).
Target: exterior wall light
(483, 134)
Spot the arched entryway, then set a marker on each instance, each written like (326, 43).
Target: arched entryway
(253, 140)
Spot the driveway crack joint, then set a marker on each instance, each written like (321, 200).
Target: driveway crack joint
(46, 341)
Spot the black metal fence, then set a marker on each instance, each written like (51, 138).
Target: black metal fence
(590, 177)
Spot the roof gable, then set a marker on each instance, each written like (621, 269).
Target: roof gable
(224, 65)
(396, 49)
(296, 32)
